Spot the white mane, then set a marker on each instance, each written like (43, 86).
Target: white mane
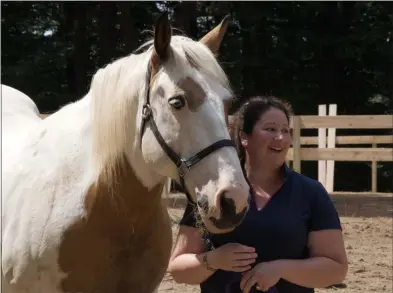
(113, 98)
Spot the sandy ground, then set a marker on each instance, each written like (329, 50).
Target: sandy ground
(367, 226)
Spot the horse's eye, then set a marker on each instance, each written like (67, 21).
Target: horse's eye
(177, 102)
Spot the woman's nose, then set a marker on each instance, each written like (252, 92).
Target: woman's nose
(278, 136)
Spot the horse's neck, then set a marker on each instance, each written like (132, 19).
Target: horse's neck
(143, 173)
(76, 119)
(126, 191)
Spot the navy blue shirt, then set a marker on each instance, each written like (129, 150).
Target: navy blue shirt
(278, 231)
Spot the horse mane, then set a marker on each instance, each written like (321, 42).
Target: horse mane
(115, 90)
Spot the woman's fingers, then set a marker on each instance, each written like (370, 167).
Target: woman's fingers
(243, 256)
(236, 257)
(243, 249)
(241, 269)
(248, 284)
(242, 263)
(263, 288)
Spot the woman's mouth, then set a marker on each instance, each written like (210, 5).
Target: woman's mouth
(275, 149)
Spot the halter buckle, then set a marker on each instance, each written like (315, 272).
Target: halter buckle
(183, 168)
(146, 111)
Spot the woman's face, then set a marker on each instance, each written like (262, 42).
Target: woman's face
(270, 139)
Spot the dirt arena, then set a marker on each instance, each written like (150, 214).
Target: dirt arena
(367, 226)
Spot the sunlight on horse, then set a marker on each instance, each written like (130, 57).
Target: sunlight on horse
(81, 195)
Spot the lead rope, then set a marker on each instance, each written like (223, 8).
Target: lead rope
(202, 228)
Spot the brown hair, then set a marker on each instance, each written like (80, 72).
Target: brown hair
(249, 114)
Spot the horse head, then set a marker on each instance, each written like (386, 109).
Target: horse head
(179, 125)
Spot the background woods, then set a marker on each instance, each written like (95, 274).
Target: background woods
(309, 53)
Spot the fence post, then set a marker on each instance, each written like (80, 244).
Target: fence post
(374, 173)
(296, 143)
(322, 144)
(331, 144)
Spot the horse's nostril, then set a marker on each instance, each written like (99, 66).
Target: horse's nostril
(228, 207)
(228, 216)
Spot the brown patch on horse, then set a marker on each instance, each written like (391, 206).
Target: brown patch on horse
(194, 93)
(123, 243)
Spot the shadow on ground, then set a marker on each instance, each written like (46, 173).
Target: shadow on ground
(347, 205)
(362, 205)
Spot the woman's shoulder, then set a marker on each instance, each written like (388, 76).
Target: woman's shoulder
(309, 191)
(322, 211)
(306, 186)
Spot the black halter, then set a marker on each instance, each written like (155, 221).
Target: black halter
(182, 164)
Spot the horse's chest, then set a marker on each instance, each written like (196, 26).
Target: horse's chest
(115, 251)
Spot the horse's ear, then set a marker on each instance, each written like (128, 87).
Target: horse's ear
(162, 37)
(213, 38)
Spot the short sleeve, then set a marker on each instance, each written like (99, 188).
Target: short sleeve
(323, 213)
(189, 218)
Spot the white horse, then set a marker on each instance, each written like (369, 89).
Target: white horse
(81, 205)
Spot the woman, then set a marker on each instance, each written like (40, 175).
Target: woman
(290, 240)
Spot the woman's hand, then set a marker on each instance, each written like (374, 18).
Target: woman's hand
(232, 257)
(265, 275)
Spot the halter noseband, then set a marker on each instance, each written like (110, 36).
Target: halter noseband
(182, 164)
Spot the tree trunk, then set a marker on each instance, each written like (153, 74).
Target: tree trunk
(81, 50)
(185, 15)
(127, 27)
(77, 58)
(327, 28)
(107, 32)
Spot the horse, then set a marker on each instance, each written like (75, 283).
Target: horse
(81, 193)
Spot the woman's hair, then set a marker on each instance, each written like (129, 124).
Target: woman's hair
(249, 114)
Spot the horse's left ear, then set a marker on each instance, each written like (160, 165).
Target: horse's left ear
(162, 37)
(214, 38)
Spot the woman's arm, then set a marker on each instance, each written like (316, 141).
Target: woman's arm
(326, 266)
(328, 263)
(191, 264)
(186, 264)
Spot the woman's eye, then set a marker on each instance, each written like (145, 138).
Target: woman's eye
(177, 102)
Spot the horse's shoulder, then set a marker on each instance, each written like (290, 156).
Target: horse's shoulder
(32, 232)
(52, 192)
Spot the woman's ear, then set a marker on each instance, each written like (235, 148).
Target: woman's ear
(243, 139)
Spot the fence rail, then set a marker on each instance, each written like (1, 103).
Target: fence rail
(346, 121)
(326, 152)
(351, 139)
(344, 154)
